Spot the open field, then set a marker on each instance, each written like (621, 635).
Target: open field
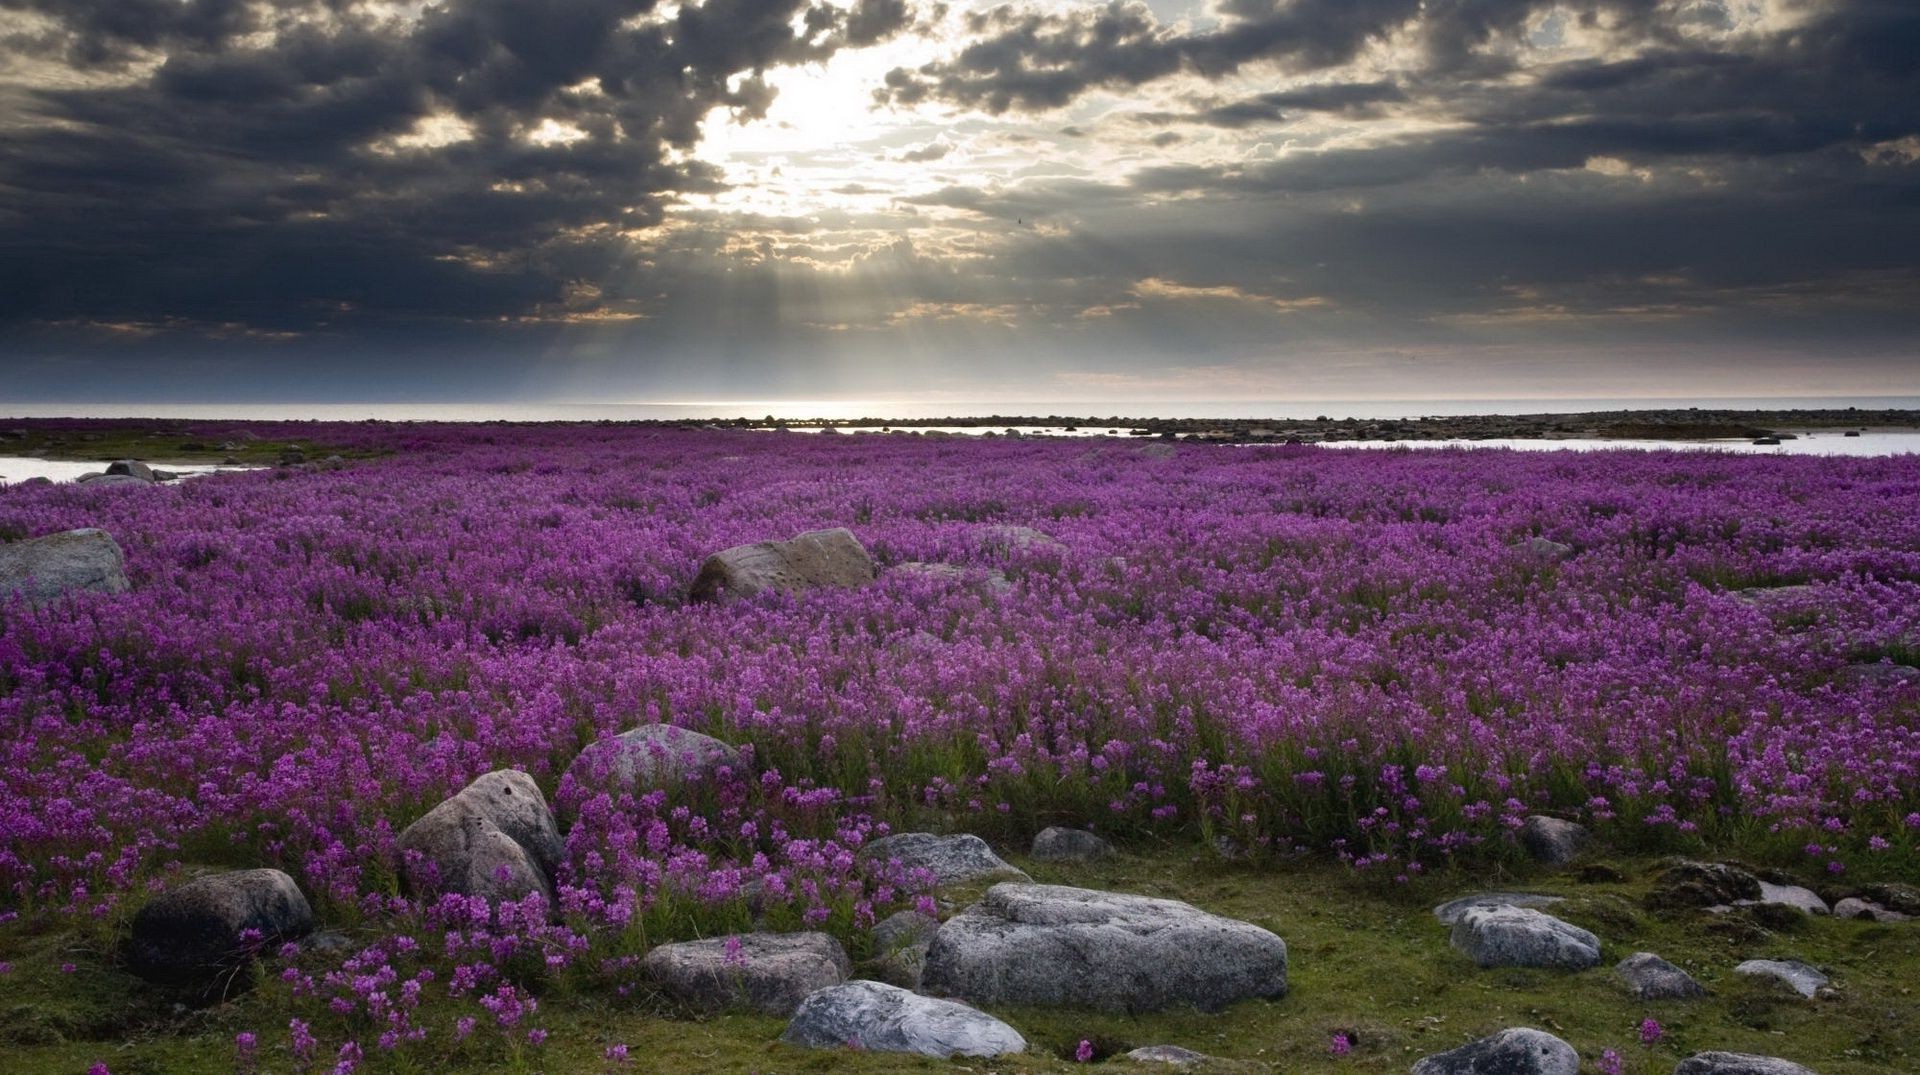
(1351, 675)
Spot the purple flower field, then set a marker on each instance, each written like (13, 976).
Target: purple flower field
(1306, 651)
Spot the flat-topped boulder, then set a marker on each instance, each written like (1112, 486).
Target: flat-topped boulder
(1523, 937)
(197, 932)
(1517, 1051)
(1552, 840)
(74, 561)
(956, 859)
(1718, 1063)
(879, 1018)
(991, 580)
(1058, 843)
(1651, 978)
(1449, 912)
(814, 560)
(649, 756)
(1075, 947)
(495, 839)
(769, 973)
(1802, 978)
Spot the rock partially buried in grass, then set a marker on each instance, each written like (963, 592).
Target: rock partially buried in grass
(1018, 538)
(1521, 937)
(1794, 896)
(74, 561)
(1738, 1064)
(813, 560)
(1552, 840)
(1449, 912)
(1689, 885)
(203, 930)
(1855, 907)
(953, 860)
(1061, 844)
(1519, 1051)
(496, 839)
(1075, 947)
(880, 1018)
(1651, 978)
(991, 580)
(1166, 1054)
(769, 973)
(1800, 977)
(1549, 550)
(646, 757)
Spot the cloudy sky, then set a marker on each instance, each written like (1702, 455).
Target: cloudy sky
(604, 200)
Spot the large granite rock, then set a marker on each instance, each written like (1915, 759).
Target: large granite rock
(955, 859)
(1052, 945)
(43, 568)
(1060, 844)
(495, 839)
(769, 973)
(1552, 840)
(1651, 978)
(879, 1018)
(201, 931)
(1717, 1063)
(1449, 912)
(1522, 937)
(1518, 1051)
(1800, 977)
(650, 756)
(815, 559)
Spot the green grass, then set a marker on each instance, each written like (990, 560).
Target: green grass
(162, 443)
(1367, 959)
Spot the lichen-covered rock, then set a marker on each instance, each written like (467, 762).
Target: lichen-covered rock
(1800, 977)
(1687, 885)
(496, 839)
(1552, 840)
(769, 973)
(1517, 1051)
(1166, 1054)
(649, 756)
(813, 560)
(1651, 978)
(1522, 937)
(1053, 945)
(1717, 1063)
(43, 568)
(1449, 912)
(879, 1018)
(1855, 907)
(955, 859)
(1061, 844)
(197, 932)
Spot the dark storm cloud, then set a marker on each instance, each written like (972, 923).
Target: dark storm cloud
(290, 185)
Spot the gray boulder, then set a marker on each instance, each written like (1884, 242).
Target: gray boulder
(649, 756)
(1522, 937)
(1449, 912)
(1855, 907)
(199, 932)
(1687, 885)
(990, 580)
(1061, 844)
(41, 569)
(1518, 1051)
(880, 1018)
(1651, 978)
(813, 560)
(1547, 549)
(1552, 840)
(1017, 538)
(1052, 945)
(1795, 975)
(900, 943)
(1794, 896)
(1166, 1054)
(132, 468)
(769, 973)
(955, 859)
(495, 839)
(1738, 1064)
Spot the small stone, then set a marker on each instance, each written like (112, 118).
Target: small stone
(1653, 978)
(955, 859)
(1166, 1054)
(1717, 1063)
(44, 568)
(1855, 907)
(880, 1018)
(991, 580)
(1061, 844)
(203, 930)
(1552, 840)
(1800, 977)
(1518, 1051)
(1548, 549)
(769, 973)
(1520, 937)
(1449, 912)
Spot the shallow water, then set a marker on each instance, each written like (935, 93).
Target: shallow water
(19, 468)
(1824, 443)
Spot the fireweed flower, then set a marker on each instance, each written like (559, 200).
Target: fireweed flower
(1339, 1044)
(1083, 1053)
(1609, 1063)
(1650, 1031)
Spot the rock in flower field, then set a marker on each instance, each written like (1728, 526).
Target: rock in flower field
(1315, 656)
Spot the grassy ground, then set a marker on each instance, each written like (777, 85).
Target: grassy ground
(160, 442)
(1368, 961)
